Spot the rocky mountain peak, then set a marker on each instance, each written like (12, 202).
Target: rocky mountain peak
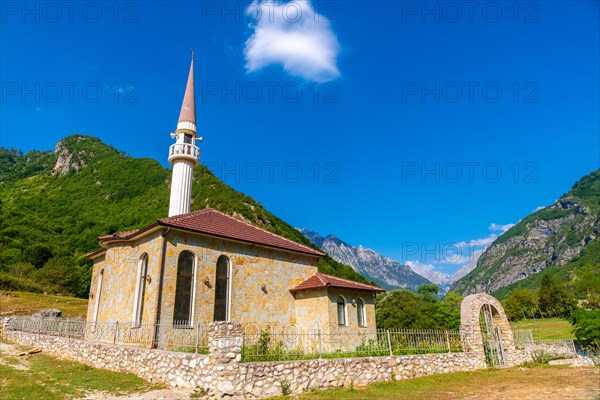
(386, 272)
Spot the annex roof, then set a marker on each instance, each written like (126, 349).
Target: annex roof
(320, 280)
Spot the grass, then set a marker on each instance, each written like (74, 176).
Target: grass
(539, 382)
(23, 303)
(546, 328)
(39, 376)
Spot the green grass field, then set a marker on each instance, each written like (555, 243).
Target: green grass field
(23, 303)
(38, 376)
(546, 328)
(535, 382)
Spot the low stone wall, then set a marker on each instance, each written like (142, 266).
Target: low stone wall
(265, 378)
(158, 366)
(221, 374)
(565, 349)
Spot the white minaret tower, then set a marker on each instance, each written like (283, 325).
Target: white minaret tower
(184, 155)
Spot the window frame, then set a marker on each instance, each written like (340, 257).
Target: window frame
(98, 295)
(360, 306)
(228, 288)
(344, 310)
(140, 291)
(190, 321)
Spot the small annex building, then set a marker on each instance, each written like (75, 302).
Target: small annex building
(202, 266)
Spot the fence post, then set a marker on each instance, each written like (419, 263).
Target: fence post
(197, 335)
(320, 345)
(389, 340)
(448, 341)
(116, 332)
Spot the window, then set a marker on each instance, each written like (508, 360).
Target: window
(98, 295)
(140, 290)
(222, 290)
(341, 310)
(184, 289)
(360, 312)
(187, 138)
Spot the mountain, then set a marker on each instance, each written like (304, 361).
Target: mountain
(386, 272)
(562, 237)
(53, 204)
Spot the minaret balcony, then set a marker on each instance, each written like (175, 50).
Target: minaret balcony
(184, 151)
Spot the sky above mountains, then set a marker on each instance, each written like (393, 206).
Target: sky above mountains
(421, 130)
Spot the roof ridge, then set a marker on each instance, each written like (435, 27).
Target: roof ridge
(346, 280)
(319, 277)
(262, 229)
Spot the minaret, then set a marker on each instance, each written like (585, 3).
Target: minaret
(184, 155)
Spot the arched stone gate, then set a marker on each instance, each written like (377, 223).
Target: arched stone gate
(486, 329)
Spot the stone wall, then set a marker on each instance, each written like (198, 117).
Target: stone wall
(221, 374)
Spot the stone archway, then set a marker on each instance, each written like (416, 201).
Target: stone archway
(486, 330)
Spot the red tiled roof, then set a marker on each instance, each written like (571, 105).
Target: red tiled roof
(216, 223)
(212, 222)
(320, 280)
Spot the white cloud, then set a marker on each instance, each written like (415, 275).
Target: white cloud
(460, 257)
(294, 36)
(538, 208)
(502, 228)
(429, 271)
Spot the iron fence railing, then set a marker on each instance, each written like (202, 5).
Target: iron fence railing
(174, 336)
(260, 342)
(293, 343)
(523, 336)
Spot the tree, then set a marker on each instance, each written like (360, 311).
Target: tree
(428, 290)
(38, 254)
(403, 309)
(553, 299)
(587, 327)
(521, 303)
(60, 275)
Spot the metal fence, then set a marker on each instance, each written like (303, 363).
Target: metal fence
(174, 336)
(293, 343)
(523, 336)
(260, 342)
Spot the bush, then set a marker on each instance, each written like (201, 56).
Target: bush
(15, 283)
(22, 270)
(587, 327)
(59, 275)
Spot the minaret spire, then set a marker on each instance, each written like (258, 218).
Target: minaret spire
(188, 107)
(184, 155)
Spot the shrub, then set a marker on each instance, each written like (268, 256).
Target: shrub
(586, 327)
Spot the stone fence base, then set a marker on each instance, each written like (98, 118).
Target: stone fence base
(221, 374)
(227, 377)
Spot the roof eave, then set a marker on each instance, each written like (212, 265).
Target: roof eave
(142, 231)
(95, 254)
(329, 285)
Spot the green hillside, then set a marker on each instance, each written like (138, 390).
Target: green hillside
(561, 239)
(53, 205)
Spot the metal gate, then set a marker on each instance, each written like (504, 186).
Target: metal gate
(492, 338)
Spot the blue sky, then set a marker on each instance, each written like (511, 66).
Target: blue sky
(417, 129)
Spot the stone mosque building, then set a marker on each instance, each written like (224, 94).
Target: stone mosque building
(202, 266)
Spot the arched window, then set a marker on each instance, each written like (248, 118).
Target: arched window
(222, 290)
(184, 290)
(98, 295)
(360, 312)
(341, 310)
(140, 290)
